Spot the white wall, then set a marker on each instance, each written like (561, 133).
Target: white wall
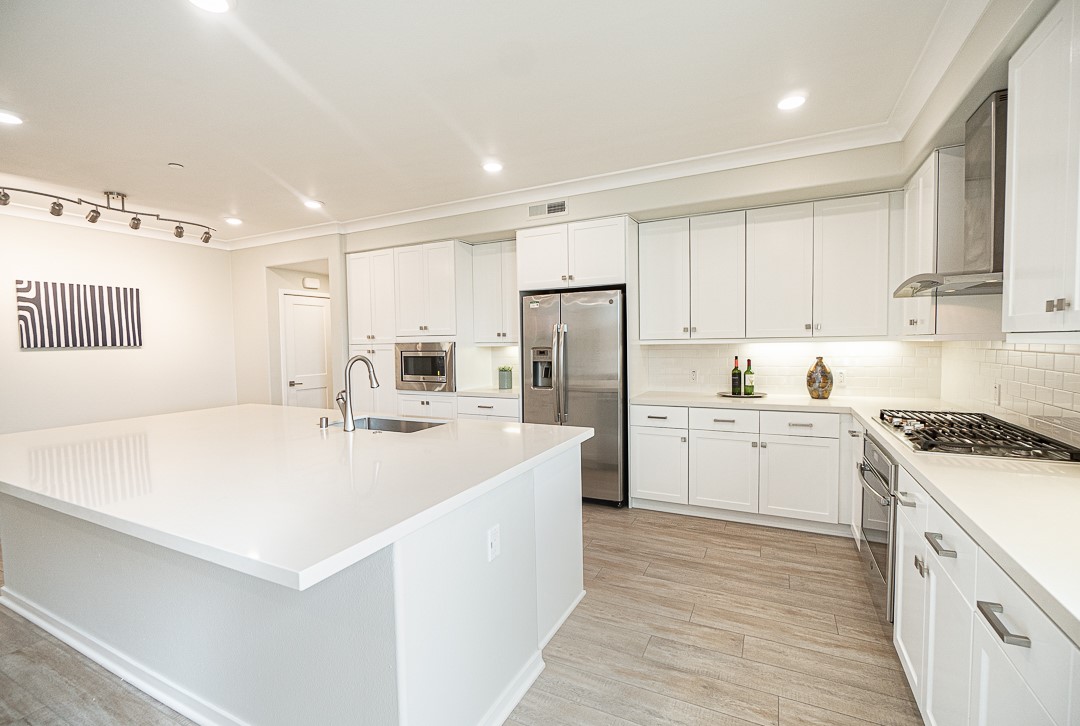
(187, 357)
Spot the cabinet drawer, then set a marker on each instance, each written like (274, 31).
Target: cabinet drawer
(488, 406)
(668, 417)
(794, 423)
(961, 567)
(735, 420)
(1045, 665)
(911, 500)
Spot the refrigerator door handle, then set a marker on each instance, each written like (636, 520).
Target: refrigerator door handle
(564, 394)
(556, 370)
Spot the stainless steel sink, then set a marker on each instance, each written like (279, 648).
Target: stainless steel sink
(398, 426)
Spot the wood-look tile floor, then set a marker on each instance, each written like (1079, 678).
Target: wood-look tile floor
(699, 622)
(687, 621)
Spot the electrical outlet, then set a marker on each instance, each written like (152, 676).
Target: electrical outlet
(995, 394)
(693, 376)
(494, 542)
(841, 378)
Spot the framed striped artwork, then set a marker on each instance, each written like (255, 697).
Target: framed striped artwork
(71, 315)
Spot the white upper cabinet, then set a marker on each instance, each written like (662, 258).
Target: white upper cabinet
(426, 289)
(371, 297)
(851, 266)
(664, 279)
(718, 275)
(576, 254)
(920, 245)
(1041, 280)
(779, 271)
(495, 293)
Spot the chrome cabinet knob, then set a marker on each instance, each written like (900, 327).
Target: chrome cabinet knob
(808, 326)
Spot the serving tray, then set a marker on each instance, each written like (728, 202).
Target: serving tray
(733, 395)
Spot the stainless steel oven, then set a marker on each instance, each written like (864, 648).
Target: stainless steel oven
(424, 367)
(878, 473)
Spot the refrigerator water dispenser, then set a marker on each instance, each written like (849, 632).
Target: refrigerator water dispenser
(541, 367)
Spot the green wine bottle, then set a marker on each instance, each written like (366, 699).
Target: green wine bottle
(736, 379)
(748, 380)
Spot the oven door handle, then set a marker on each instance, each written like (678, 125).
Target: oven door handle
(866, 466)
(883, 501)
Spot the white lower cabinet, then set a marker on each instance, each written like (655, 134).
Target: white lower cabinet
(658, 464)
(800, 477)
(910, 598)
(999, 695)
(420, 405)
(724, 470)
(948, 648)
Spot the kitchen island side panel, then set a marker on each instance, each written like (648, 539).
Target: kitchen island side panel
(219, 646)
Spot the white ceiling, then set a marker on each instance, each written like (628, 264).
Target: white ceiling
(376, 108)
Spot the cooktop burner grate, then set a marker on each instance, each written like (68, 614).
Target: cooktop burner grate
(975, 433)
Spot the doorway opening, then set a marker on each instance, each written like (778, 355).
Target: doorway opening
(299, 306)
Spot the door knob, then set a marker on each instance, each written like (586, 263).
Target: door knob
(294, 384)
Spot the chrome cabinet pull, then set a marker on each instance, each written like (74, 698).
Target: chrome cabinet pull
(817, 326)
(478, 406)
(658, 418)
(682, 439)
(801, 425)
(764, 444)
(904, 502)
(1049, 306)
(686, 330)
(693, 328)
(1061, 304)
(723, 420)
(564, 277)
(989, 611)
(571, 277)
(808, 326)
(934, 538)
(753, 444)
(920, 566)
(854, 434)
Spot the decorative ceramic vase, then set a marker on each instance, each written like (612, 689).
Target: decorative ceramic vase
(506, 380)
(819, 380)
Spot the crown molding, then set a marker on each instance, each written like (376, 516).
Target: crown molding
(287, 235)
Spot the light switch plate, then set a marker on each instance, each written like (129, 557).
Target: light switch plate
(494, 542)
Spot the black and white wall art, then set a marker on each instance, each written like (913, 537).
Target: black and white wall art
(72, 315)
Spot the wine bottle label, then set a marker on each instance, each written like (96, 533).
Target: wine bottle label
(749, 383)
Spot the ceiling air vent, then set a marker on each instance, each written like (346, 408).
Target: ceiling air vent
(549, 209)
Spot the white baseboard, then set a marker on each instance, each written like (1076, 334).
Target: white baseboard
(511, 696)
(765, 520)
(161, 689)
(551, 633)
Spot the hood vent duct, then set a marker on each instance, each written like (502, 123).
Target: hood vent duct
(974, 267)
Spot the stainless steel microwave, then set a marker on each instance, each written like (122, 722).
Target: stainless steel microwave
(425, 367)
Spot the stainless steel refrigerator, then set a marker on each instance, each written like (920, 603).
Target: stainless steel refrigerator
(572, 359)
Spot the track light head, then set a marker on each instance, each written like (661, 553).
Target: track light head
(56, 208)
(205, 237)
(5, 198)
(135, 222)
(93, 215)
(178, 232)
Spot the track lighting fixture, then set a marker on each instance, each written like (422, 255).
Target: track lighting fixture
(114, 202)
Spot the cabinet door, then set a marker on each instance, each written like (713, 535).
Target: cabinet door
(851, 266)
(658, 464)
(664, 279)
(724, 470)
(780, 272)
(910, 601)
(596, 252)
(799, 477)
(541, 258)
(718, 276)
(443, 407)
(948, 648)
(999, 696)
(386, 395)
(409, 287)
(1037, 189)
(919, 245)
(488, 306)
(440, 300)
(383, 299)
(511, 304)
(358, 272)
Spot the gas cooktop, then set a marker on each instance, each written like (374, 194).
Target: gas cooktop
(949, 432)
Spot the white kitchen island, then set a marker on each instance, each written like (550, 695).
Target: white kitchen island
(245, 567)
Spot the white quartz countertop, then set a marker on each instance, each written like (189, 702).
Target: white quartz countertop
(261, 489)
(1022, 513)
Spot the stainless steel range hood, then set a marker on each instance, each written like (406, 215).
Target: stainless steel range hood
(975, 267)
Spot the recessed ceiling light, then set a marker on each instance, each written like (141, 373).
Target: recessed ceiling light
(7, 117)
(214, 6)
(789, 102)
(492, 167)
(233, 221)
(313, 204)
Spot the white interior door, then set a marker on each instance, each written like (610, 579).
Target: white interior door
(305, 337)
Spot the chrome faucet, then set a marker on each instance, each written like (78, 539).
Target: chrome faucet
(344, 399)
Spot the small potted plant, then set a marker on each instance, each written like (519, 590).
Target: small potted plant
(506, 377)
